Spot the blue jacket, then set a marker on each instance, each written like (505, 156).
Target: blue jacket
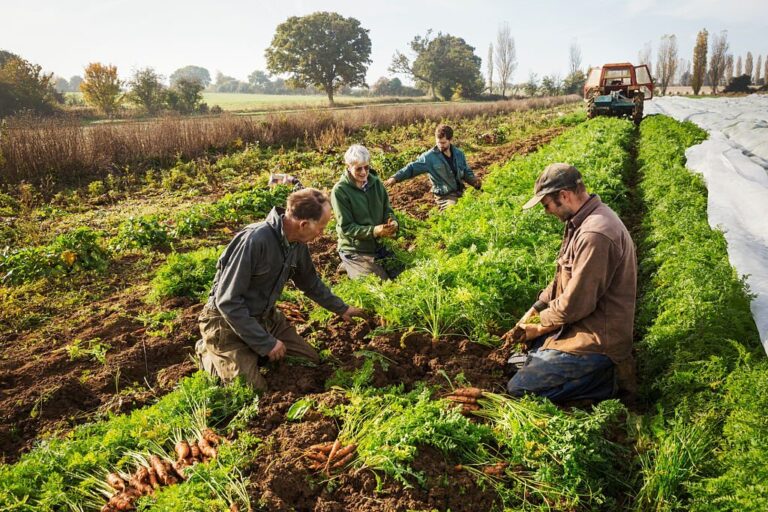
(444, 180)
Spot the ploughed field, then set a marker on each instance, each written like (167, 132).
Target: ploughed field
(98, 381)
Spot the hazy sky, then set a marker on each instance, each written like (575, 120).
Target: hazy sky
(230, 35)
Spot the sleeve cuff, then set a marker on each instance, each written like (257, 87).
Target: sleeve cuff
(540, 306)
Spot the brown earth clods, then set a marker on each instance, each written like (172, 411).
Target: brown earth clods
(43, 390)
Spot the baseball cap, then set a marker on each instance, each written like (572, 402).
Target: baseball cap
(555, 177)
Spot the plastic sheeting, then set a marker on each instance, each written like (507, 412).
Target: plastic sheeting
(734, 164)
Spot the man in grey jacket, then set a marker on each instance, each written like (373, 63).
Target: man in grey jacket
(240, 322)
(447, 168)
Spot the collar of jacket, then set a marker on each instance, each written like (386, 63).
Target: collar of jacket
(438, 151)
(350, 181)
(275, 221)
(585, 211)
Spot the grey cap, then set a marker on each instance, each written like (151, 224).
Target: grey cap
(555, 177)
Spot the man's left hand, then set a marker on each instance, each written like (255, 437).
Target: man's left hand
(353, 312)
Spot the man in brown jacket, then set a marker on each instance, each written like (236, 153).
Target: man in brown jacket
(582, 346)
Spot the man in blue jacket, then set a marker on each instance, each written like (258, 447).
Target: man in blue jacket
(447, 168)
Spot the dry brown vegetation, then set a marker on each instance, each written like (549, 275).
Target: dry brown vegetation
(49, 151)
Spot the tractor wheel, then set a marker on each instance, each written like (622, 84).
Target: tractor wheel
(591, 111)
(637, 110)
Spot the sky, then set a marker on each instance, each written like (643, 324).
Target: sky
(231, 35)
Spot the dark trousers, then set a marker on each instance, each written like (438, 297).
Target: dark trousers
(562, 377)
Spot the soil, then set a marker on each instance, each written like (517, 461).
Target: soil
(42, 389)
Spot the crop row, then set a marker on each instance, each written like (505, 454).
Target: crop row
(700, 351)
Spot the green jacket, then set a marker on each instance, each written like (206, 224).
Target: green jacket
(444, 180)
(358, 211)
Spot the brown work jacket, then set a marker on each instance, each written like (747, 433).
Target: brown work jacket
(593, 293)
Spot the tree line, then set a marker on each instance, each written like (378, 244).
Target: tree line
(712, 65)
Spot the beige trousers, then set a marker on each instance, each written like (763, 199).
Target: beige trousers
(224, 354)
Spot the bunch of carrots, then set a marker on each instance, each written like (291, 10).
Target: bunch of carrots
(330, 456)
(467, 397)
(160, 472)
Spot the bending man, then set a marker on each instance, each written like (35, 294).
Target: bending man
(447, 168)
(582, 346)
(240, 322)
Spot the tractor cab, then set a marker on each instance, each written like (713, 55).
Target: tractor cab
(618, 90)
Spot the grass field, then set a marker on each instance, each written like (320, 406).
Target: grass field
(236, 102)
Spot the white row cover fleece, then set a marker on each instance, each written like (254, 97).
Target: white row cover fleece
(734, 164)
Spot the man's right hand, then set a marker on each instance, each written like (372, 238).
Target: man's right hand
(387, 230)
(277, 352)
(390, 182)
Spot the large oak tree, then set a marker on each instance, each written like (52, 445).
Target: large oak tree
(324, 49)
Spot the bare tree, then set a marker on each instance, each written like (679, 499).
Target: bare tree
(757, 69)
(738, 66)
(644, 55)
(490, 68)
(684, 72)
(718, 50)
(728, 68)
(699, 60)
(574, 58)
(506, 56)
(748, 65)
(666, 61)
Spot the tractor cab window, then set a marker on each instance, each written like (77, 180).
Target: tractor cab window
(594, 78)
(617, 77)
(642, 75)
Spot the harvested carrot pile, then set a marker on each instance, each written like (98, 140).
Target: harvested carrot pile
(157, 472)
(329, 456)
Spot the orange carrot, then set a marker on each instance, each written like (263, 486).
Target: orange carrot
(114, 481)
(332, 454)
(206, 449)
(319, 457)
(153, 480)
(182, 449)
(462, 399)
(160, 469)
(468, 392)
(211, 436)
(343, 452)
(344, 460)
(324, 447)
(194, 450)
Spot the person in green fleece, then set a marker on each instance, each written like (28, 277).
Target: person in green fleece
(363, 216)
(447, 168)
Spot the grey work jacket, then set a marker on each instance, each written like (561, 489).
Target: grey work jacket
(251, 275)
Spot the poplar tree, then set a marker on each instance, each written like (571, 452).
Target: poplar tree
(699, 61)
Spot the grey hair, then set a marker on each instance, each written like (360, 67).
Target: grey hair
(357, 154)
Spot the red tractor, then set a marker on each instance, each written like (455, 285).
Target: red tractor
(618, 90)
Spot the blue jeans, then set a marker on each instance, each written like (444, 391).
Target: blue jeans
(561, 377)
